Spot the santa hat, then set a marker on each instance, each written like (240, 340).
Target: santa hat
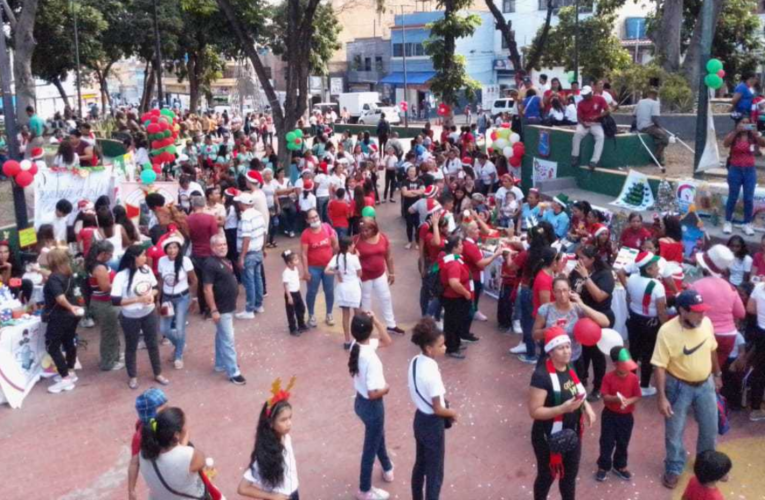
(232, 192)
(255, 177)
(373, 147)
(432, 205)
(431, 191)
(467, 160)
(599, 229)
(323, 166)
(37, 154)
(555, 336)
(716, 260)
(172, 239)
(86, 206)
(645, 258)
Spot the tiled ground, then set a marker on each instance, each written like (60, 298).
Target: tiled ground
(75, 445)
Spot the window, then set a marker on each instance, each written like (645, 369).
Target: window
(584, 5)
(412, 50)
(379, 64)
(397, 52)
(367, 64)
(357, 62)
(508, 6)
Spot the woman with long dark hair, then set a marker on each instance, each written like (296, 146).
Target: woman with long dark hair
(272, 472)
(121, 218)
(100, 278)
(578, 227)
(112, 232)
(168, 464)
(135, 289)
(426, 388)
(65, 156)
(740, 270)
(178, 282)
(369, 382)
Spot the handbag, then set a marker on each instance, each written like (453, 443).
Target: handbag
(563, 441)
(205, 496)
(448, 422)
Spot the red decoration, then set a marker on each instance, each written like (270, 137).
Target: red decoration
(721, 73)
(163, 125)
(157, 169)
(515, 161)
(444, 109)
(403, 105)
(505, 125)
(490, 150)
(33, 169)
(154, 112)
(519, 149)
(494, 135)
(587, 332)
(156, 144)
(24, 179)
(152, 128)
(11, 168)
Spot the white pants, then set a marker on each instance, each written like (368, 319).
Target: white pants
(382, 293)
(597, 132)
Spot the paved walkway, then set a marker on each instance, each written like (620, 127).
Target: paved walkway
(75, 445)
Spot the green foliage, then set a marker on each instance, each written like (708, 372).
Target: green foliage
(451, 79)
(600, 50)
(737, 42)
(676, 95)
(674, 92)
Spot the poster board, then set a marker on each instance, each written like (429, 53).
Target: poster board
(543, 170)
(50, 187)
(22, 358)
(636, 193)
(132, 195)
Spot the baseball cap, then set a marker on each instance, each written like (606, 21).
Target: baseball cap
(146, 404)
(245, 198)
(622, 359)
(691, 300)
(586, 90)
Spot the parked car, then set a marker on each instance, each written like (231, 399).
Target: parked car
(504, 105)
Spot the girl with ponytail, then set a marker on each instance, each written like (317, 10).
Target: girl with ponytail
(368, 380)
(347, 267)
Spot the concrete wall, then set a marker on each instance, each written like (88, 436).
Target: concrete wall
(684, 126)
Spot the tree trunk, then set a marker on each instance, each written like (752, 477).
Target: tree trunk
(536, 50)
(23, 48)
(148, 87)
(692, 62)
(668, 35)
(192, 67)
(505, 29)
(56, 82)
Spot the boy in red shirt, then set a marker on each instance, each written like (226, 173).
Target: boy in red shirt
(621, 390)
(338, 211)
(711, 466)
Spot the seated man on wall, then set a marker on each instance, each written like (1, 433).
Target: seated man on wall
(647, 114)
(590, 110)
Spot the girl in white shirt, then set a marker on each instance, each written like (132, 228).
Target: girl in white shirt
(369, 382)
(428, 395)
(741, 269)
(177, 277)
(347, 266)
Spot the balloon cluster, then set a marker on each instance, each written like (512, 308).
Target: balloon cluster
(162, 128)
(404, 106)
(509, 144)
(715, 74)
(23, 173)
(294, 140)
(444, 109)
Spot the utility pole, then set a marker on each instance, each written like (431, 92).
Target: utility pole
(77, 60)
(707, 15)
(403, 44)
(576, 41)
(158, 54)
(19, 202)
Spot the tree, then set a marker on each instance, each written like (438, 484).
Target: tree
(602, 49)
(292, 34)
(451, 77)
(21, 17)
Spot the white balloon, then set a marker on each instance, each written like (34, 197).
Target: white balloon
(25, 165)
(609, 339)
(514, 138)
(500, 144)
(508, 151)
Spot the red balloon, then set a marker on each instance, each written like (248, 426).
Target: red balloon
(519, 149)
(156, 144)
(154, 119)
(494, 135)
(505, 125)
(169, 157)
(33, 169)
(145, 116)
(11, 168)
(169, 141)
(157, 169)
(163, 126)
(152, 128)
(587, 332)
(24, 179)
(515, 161)
(154, 112)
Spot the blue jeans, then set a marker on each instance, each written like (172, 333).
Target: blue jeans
(739, 177)
(372, 413)
(225, 350)
(252, 280)
(181, 306)
(527, 321)
(321, 206)
(434, 308)
(342, 232)
(327, 281)
(684, 397)
(429, 462)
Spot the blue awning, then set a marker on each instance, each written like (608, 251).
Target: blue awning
(412, 77)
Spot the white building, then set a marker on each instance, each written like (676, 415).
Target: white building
(528, 16)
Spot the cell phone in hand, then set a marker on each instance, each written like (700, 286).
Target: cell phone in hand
(579, 396)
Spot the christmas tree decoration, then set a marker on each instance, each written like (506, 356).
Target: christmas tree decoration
(636, 193)
(619, 222)
(666, 199)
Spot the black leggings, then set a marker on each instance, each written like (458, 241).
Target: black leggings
(642, 332)
(456, 321)
(390, 182)
(62, 332)
(545, 479)
(758, 370)
(412, 223)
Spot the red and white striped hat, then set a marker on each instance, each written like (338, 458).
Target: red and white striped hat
(431, 191)
(555, 336)
(600, 229)
(645, 258)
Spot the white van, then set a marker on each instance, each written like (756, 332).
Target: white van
(504, 105)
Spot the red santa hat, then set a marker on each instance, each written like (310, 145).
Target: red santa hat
(255, 177)
(555, 336)
(232, 192)
(599, 229)
(645, 258)
(323, 166)
(37, 154)
(431, 191)
(432, 205)
(467, 160)
(307, 185)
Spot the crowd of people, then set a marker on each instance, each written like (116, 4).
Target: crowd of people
(462, 210)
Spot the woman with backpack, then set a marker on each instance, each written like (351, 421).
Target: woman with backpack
(744, 141)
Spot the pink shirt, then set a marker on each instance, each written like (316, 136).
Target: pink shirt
(724, 301)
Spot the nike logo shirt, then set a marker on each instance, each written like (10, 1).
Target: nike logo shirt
(685, 353)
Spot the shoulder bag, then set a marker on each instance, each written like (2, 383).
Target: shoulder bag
(448, 422)
(205, 496)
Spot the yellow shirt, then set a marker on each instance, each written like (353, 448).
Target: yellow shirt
(685, 353)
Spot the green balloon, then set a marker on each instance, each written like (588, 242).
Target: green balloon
(171, 150)
(713, 81)
(571, 76)
(146, 166)
(298, 133)
(368, 212)
(166, 134)
(148, 176)
(290, 136)
(713, 66)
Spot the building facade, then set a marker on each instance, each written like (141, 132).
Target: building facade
(368, 62)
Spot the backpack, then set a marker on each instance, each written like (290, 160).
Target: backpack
(609, 126)
(433, 281)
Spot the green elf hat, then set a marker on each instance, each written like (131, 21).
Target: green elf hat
(562, 200)
(622, 359)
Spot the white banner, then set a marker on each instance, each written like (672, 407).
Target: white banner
(50, 187)
(544, 170)
(22, 355)
(636, 193)
(710, 157)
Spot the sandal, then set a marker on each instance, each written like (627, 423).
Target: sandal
(161, 380)
(133, 383)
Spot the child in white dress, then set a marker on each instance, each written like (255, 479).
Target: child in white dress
(346, 265)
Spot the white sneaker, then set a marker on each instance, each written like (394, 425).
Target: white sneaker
(648, 391)
(519, 349)
(727, 228)
(260, 310)
(312, 322)
(479, 316)
(72, 376)
(119, 365)
(178, 364)
(388, 476)
(88, 323)
(330, 321)
(517, 327)
(245, 315)
(66, 384)
(373, 494)
(748, 230)
(408, 246)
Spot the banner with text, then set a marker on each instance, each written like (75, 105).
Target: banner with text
(50, 187)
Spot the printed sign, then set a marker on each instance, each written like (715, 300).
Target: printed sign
(544, 170)
(50, 187)
(22, 356)
(27, 237)
(636, 193)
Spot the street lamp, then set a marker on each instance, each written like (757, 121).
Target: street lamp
(77, 59)
(158, 55)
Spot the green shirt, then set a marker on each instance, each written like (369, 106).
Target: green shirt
(37, 125)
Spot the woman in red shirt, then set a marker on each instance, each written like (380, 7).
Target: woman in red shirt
(457, 297)
(671, 249)
(476, 262)
(743, 142)
(373, 249)
(339, 211)
(635, 234)
(318, 244)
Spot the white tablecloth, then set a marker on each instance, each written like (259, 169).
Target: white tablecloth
(22, 355)
(621, 313)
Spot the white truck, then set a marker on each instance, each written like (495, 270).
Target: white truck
(365, 108)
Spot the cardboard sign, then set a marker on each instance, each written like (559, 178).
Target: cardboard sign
(27, 237)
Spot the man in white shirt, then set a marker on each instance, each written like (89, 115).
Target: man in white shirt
(487, 174)
(250, 237)
(647, 114)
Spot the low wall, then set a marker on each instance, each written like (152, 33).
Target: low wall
(684, 126)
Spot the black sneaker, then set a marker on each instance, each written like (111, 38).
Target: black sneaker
(623, 474)
(456, 355)
(238, 380)
(296, 333)
(594, 396)
(601, 475)
(397, 330)
(463, 347)
(347, 346)
(470, 338)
